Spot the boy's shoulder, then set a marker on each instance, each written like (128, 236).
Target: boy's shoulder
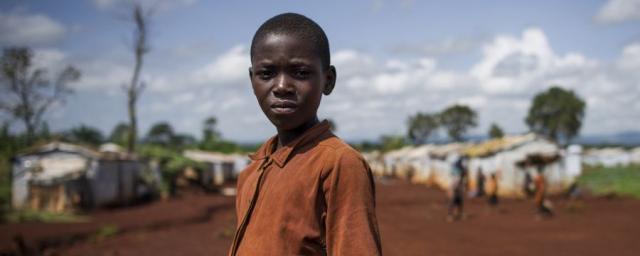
(339, 150)
(335, 143)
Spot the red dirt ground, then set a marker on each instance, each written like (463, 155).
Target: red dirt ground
(411, 219)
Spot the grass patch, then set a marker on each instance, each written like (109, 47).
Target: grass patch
(16, 216)
(105, 232)
(605, 181)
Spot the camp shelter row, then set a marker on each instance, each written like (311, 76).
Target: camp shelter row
(220, 169)
(611, 156)
(61, 176)
(511, 158)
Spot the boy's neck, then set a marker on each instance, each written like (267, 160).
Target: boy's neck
(286, 136)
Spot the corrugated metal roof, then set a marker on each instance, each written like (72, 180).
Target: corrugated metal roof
(496, 145)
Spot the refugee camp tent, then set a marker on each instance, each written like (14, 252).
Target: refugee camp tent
(416, 162)
(442, 158)
(608, 157)
(635, 156)
(393, 162)
(573, 160)
(511, 157)
(62, 176)
(220, 168)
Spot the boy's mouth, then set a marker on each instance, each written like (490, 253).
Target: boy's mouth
(284, 107)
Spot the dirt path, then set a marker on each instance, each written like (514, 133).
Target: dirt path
(411, 219)
(412, 223)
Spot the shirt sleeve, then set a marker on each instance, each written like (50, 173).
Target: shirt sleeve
(350, 224)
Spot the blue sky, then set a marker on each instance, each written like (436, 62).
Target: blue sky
(393, 58)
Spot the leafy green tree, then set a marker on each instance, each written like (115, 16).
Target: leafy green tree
(556, 113)
(391, 142)
(171, 163)
(213, 141)
(181, 140)
(86, 135)
(457, 119)
(421, 127)
(9, 145)
(160, 133)
(495, 131)
(26, 92)
(120, 134)
(209, 132)
(367, 146)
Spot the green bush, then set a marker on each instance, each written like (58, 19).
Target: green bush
(15, 216)
(5, 184)
(620, 180)
(171, 163)
(104, 232)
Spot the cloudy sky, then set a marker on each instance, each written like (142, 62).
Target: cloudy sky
(394, 58)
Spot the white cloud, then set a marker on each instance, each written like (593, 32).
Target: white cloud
(154, 5)
(499, 86)
(375, 96)
(103, 75)
(448, 46)
(20, 28)
(515, 65)
(616, 11)
(352, 63)
(48, 58)
(230, 67)
(104, 4)
(630, 59)
(181, 98)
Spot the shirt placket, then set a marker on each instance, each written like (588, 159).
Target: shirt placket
(243, 225)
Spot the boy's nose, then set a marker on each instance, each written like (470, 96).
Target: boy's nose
(283, 85)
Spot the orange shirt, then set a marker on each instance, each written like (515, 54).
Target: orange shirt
(313, 193)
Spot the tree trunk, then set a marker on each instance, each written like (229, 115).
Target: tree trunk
(133, 124)
(31, 130)
(135, 88)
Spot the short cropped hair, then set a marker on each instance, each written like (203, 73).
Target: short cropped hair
(299, 26)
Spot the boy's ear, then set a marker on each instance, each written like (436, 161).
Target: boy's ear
(330, 81)
(250, 72)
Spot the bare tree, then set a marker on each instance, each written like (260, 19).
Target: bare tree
(27, 92)
(135, 88)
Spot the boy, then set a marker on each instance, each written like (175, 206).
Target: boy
(306, 191)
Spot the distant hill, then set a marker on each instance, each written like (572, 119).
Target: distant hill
(628, 138)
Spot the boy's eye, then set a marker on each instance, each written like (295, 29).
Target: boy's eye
(301, 73)
(265, 74)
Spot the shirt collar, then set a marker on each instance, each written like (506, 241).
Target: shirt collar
(281, 156)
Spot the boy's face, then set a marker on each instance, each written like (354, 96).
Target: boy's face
(288, 80)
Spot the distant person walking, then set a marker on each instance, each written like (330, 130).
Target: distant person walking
(528, 187)
(457, 189)
(542, 204)
(480, 183)
(492, 189)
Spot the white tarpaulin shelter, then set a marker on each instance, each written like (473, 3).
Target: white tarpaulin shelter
(220, 168)
(59, 176)
(511, 157)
